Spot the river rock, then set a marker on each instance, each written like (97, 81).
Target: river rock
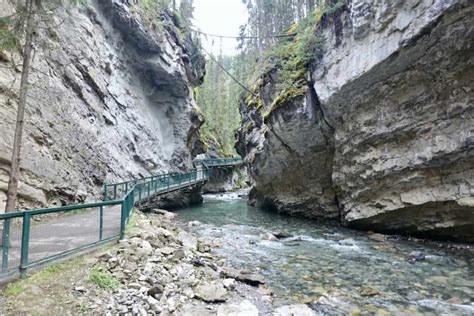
(194, 223)
(229, 283)
(368, 291)
(166, 214)
(294, 310)
(269, 236)
(347, 242)
(416, 256)
(250, 278)
(211, 292)
(377, 237)
(167, 250)
(159, 231)
(281, 234)
(187, 240)
(244, 308)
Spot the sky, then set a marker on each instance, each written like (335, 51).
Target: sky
(220, 17)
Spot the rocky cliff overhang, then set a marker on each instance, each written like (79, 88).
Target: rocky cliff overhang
(384, 136)
(110, 98)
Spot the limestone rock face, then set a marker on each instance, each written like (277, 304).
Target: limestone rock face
(110, 99)
(390, 147)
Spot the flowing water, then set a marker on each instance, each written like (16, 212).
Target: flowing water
(334, 266)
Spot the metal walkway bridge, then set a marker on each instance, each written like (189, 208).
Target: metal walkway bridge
(36, 237)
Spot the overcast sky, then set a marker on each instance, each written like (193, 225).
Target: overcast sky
(221, 17)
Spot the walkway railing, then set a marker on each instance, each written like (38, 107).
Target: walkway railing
(220, 162)
(23, 234)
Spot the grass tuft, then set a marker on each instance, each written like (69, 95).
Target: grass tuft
(103, 280)
(13, 289)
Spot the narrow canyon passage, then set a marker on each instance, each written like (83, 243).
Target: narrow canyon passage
(349, 270)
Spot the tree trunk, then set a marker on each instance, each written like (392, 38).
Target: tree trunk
(309, 7)
(12, 193)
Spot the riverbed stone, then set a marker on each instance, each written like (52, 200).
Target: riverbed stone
(187, 240)
(376, 237)
(281, 234)
(244, 308)
(251, 278)
(211, 292)
(294, 310)
(416, 255)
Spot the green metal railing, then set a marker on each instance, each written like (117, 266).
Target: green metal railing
(23, 244)
(219, 162)
(147, 187)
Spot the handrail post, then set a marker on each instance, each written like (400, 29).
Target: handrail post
(105, 192)
(25, 244)
(139, 194)
(122, 220)
(115, 191)
(132, 202)
(5, 244)
(101, 222)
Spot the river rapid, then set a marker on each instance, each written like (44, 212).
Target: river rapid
(336, 270)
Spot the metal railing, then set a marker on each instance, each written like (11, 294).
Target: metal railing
(147, 187)
(29, 239)
(33, 238)
(220, 162)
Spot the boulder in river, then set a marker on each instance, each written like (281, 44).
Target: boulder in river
(247, 277)
(377, 237)
(281, 234)
(250, 278)
(416, 256)
(269, 236)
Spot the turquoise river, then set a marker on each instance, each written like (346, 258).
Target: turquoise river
(334, 269)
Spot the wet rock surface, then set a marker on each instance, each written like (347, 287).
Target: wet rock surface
(382, 137)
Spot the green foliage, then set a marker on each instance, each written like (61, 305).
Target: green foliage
(283, 98)
(8, 39)
(103, 280)
(290, 57)
(218, 98)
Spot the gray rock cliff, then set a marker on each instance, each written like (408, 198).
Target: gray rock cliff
(111, 98)
(383, 136)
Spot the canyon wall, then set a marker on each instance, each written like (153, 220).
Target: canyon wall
(111, 98)
(382, 137)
